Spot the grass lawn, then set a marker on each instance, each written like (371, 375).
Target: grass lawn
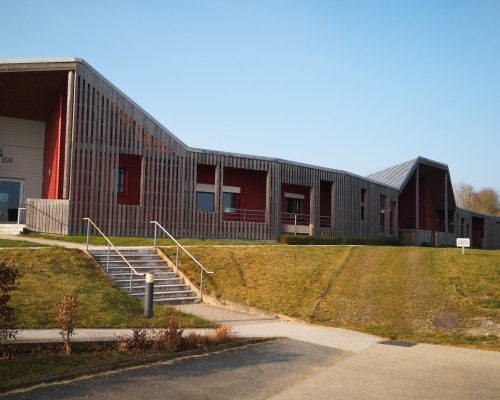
(25, 369)
(389, 291)
(50, 272)
(18, 243)
(143, 241)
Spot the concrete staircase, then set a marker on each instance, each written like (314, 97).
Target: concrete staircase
(168, 288)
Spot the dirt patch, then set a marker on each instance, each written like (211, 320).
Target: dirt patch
(486, 327)
(447, 320)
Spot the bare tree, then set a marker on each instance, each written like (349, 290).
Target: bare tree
(465, 196)
(487, 201)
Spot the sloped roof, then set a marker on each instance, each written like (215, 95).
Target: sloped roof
(397, 175)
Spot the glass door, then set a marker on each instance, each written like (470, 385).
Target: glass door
(10, 199)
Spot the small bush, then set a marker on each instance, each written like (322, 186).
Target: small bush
(8, 279)
(137, 342)
(222, 334)
(66, 318)
(426, 244)
(169, 339)
(388, 241)
(309, 240)
(195, 341)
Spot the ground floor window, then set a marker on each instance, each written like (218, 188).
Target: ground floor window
(382, 213)
(204, 202)
(231, 202)
(294, 206)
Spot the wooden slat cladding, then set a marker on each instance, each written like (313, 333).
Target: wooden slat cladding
(50, 216)
(107, 124)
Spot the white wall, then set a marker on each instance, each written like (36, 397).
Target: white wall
(23, 139)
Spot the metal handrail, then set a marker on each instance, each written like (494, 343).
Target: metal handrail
(110, 244)
(245, 215)
(202, 268)
(19, 215)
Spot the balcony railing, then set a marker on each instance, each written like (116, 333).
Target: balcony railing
(325, 221)
(243, 215)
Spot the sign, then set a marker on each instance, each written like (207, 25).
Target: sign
(463, 242)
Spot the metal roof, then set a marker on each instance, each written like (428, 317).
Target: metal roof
(398, 176)
(395, 176)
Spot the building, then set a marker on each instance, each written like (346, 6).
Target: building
(73, 146)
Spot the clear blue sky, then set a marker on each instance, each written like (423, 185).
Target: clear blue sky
(353, 85)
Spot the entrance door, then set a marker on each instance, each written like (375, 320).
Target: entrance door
(11, 194)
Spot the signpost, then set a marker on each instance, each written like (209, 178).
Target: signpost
(463, 243)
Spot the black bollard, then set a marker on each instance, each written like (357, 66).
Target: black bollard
(148, 297)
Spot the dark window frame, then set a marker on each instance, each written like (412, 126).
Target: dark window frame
(198, 209)
(233, 203)
(122, 187)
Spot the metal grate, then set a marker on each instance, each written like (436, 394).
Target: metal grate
(400, 343)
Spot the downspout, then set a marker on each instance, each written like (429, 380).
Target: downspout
(68, 139)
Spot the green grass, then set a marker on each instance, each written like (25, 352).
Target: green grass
(394, 292)
(19, 243)
(25, 369)
(50, 272)
(144, 241)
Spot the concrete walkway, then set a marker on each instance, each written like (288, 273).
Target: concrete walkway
(252, 325)
(62, 243)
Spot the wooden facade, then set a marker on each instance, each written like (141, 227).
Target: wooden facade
(103, 126)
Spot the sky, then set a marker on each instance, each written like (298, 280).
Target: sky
(350, 85)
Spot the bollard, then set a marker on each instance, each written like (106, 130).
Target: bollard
(148, 297)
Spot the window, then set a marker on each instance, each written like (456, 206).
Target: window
(122, 180)
(231, 202)
(392, 208)
(363, 204)
(294, 206)
(382, 213)
(204, 202)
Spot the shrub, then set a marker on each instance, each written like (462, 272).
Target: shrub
(169, 339)
(387, 241)
(66, 318)
(222, 334)
(309, 240)
(137, 342)
(8, 279)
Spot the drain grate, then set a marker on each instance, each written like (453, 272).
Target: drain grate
(400, 343)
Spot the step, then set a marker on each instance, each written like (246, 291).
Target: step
(11, 229)
(168, 288)
(179, 300)
(165, 294)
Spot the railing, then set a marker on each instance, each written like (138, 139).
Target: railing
(180, 246)
(243, 215)
(295, 223)
(19, 219)
(132, 269)
(325, 221)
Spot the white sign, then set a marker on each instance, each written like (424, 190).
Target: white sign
(463, 242)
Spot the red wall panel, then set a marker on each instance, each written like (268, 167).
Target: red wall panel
(205, 174)
(252, 185)
(133, 165)
(53, 157)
